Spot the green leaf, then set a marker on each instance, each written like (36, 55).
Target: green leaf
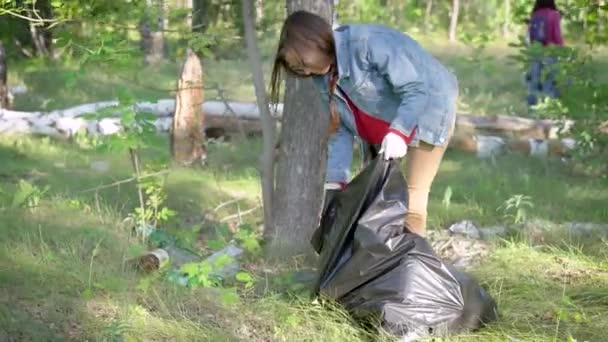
(244, 277)
(128, 118)
(223, 260)
(56, 3)
(190, 268)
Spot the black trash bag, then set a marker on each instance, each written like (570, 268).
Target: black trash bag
(381, 273)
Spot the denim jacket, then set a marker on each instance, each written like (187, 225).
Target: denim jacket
(390, 76)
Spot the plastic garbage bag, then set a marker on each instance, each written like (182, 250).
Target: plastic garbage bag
(381, 273)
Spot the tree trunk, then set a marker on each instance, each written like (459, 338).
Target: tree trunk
(453, 20)
(187, 131)
(3, 78)
(507, 23)
(334, 18)
(41, 34)
(267, 161)
(188, 4)
(151, 30)
(427, 15)
(259, 10)
(302, 157)
(237, 15)
(198, 15)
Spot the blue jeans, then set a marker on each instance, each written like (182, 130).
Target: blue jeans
(541, 79)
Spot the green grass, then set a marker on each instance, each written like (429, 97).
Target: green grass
(64, 275)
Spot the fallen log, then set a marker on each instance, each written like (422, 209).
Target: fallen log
(484, 146)
(221, 118)
(483, 136)
(512, 126)
(500, 125)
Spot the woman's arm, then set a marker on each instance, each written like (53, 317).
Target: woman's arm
(392, 61)
(340, 145)
(339, 156)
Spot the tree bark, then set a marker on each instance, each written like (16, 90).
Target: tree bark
(454, 20)
(427, 15)
(187, 131)
(302, 157)
(267, 161)
(3, 78)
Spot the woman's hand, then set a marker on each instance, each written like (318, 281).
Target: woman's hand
(393, 146)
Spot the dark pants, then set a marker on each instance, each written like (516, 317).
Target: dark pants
(541, 80)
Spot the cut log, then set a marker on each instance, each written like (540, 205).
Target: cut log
(187, 131)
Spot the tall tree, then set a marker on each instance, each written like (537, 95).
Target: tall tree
(454, 20)
(427, 15)
(200, 8)
(40, 15)
(152, 29)
(268, 125)
(302, 156)
(3, 78)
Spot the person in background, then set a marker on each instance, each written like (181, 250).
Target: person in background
(544, 27)
(377, 84)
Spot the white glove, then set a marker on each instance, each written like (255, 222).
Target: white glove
(393, 147)
(332, 186)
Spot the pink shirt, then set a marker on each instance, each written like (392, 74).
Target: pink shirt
(554, 32)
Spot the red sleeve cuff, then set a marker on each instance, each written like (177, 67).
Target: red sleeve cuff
(407, 139)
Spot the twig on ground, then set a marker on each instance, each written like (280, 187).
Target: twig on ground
(240, 214)
(127, 180)
(221, 205)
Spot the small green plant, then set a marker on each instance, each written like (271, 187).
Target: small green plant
(203, 273)
(249, 239)
(515, 208)
(116, 331)
(153, 212)
(28, 195)
(137, 132)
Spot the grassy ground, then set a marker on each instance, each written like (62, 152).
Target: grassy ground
(63, 263)
(64, 276)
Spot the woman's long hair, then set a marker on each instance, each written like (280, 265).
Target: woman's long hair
(302, 35)
(540, 4)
